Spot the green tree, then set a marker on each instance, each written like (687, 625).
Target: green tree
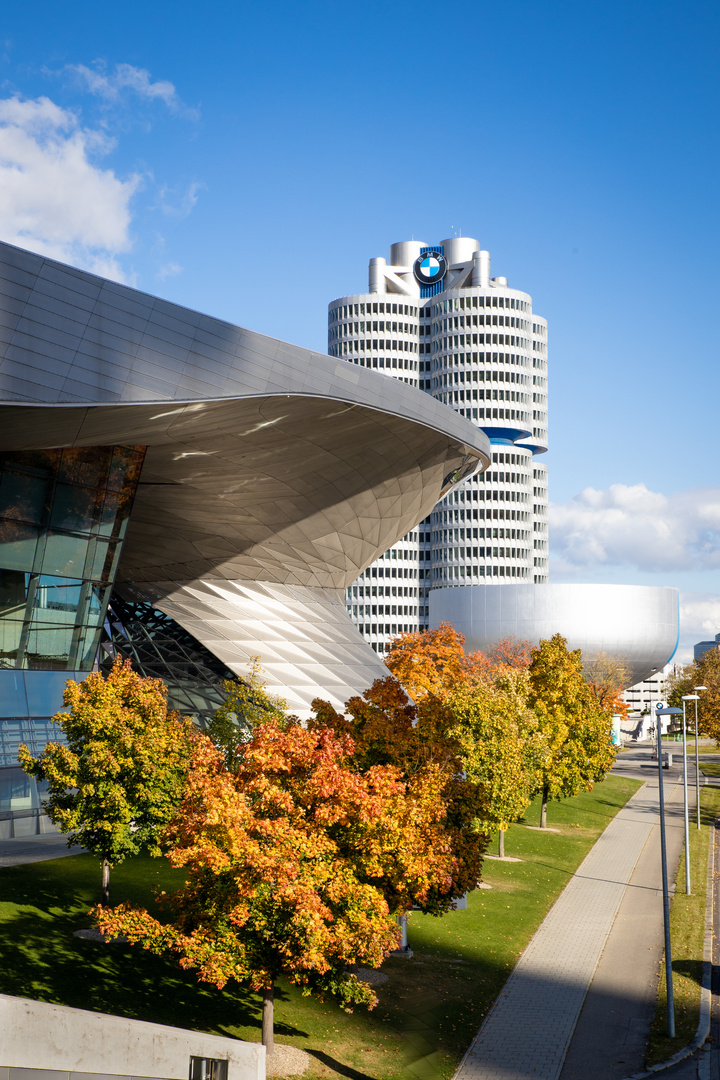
(500, 746)
(289, 860)
(246, 705)
(576, 729)
(703, 672)
(120, 778)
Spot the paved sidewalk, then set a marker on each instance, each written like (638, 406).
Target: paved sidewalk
(611, 1035)
(29, 849)
(528, 1031)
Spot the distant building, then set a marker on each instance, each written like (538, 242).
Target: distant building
(702, 647)
(434, 318)
(640, 699)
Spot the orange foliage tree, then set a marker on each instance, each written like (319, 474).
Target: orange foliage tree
(434, 661)
(388, 729)
(297, 863)
(428, 662)
(607, 676)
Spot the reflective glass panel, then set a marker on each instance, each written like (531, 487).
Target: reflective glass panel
(62, 517)
(64, 554)
(87, 465)
(17, 790)
(49, 647)
(73, 508)
(12, 694)
(45, 691)
(24, 497)
(18, 545)
(57, 593)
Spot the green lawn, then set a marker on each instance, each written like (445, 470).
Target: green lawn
(687, 932)
(429, 1010)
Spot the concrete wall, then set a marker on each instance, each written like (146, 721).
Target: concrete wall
(53, 1038)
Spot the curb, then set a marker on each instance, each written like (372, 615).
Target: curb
(703, 1029)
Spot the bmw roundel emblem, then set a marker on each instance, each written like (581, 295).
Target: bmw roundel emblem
(430, 268)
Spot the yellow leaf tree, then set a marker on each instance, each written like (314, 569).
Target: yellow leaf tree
(500, 746)
(576, 729)
(119, 779)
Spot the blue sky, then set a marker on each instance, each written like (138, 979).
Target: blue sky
(247, 160)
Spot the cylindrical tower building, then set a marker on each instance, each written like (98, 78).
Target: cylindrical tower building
(436, 319)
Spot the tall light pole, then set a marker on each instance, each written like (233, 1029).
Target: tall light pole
(664, 710)
(686, 697)
(697, 757)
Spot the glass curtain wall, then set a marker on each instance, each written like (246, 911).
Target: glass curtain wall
(161, 649)
(63, 516)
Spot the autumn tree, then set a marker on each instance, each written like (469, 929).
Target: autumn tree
(387, 729)
(429, 661)
(434, 661)
(509, 652)
(119, 779)
(607, 676)
(247, 703)
(703, 672)
(576, 729)
(500, 746)
(290, 859)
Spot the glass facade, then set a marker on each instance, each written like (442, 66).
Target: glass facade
(63, 516)
(160, 649)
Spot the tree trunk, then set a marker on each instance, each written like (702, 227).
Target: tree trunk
(105, 893)
(268, 1030)
(501, 843)
(543, 811)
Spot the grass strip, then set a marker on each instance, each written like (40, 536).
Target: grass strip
(710, 768)
(687, 934)
(430, 1009)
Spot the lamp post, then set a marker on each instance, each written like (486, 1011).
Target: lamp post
(686, 697)
(664, 710)
(697, 757)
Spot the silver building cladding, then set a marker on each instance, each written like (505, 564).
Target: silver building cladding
(190, 493)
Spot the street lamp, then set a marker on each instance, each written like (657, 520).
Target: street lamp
(686, 697)
(664, 710)
(697, 757)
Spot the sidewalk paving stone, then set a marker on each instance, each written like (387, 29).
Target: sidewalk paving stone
(527, 1032)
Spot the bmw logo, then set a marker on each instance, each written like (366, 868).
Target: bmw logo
(430, 268)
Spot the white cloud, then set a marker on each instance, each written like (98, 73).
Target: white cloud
(633, 526)
(126, 78)
(53, 198)
(179, 204)
(167, 270)
(699, 621)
